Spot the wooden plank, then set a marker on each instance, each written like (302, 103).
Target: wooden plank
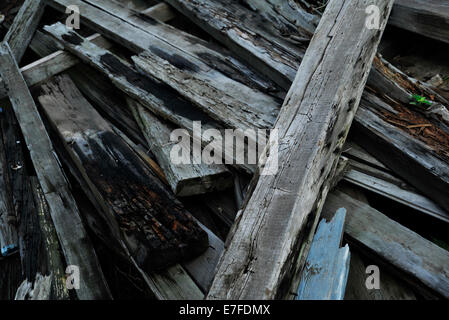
(154, 226)
(65, 215)
(157, 97)
(397, 190)
(184, 179)
(140, 33)
(22, 29)
(419, 260)
(266, 238)
(429, 18)
(327, 266)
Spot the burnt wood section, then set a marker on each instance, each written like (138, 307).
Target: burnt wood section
(155, 227)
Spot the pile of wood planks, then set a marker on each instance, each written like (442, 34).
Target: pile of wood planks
(238, 149)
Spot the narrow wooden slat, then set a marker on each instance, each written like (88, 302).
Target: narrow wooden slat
(419, 260)
(313, 125)
(25, 23)
(161, 11)
(327, 266)
(65, 215)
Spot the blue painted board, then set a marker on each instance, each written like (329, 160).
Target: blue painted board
(327, 266)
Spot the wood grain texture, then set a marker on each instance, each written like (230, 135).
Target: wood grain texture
(419, 260)
(22, 29)
(65, 215)
(311, 134)
(327, 266)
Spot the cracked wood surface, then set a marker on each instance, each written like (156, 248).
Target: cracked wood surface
(313, 125)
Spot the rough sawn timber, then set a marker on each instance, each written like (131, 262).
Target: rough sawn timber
(65, 215)
(313, 124)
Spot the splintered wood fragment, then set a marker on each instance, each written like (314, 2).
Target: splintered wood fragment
(159, 98)
(185, 179)
(74, 240)
(419, 261)
(327, 266)
(154, 226)
(22, 29)
(313, 125)
(39, 290)
(429, 18)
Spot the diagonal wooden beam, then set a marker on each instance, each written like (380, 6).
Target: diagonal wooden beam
(313, 124)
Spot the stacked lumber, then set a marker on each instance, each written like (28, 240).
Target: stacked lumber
(339, 161)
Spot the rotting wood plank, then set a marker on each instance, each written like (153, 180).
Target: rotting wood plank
(153, 225)
(327, 266)
(159, 98)
(261, 257)
(429, 18)
(176, 283)
(22, 29)
(185, 179)
(65, 215)
(421, 261)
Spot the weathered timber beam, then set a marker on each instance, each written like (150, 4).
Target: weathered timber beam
(154, 226)
(161, 11)
(261, 258)
(429, 18)
(422, 262)
(393, 88)
(65, 215)
(22, 29)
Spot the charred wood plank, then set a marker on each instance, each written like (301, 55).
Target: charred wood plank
(65, 215)
(153, 225)
(311, 134)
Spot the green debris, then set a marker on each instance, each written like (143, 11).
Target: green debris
(420, 100)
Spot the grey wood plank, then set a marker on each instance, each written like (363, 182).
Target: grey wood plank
(22, 29)
(65, 215)
(424, 263)
(327, 266)
(312, 135)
